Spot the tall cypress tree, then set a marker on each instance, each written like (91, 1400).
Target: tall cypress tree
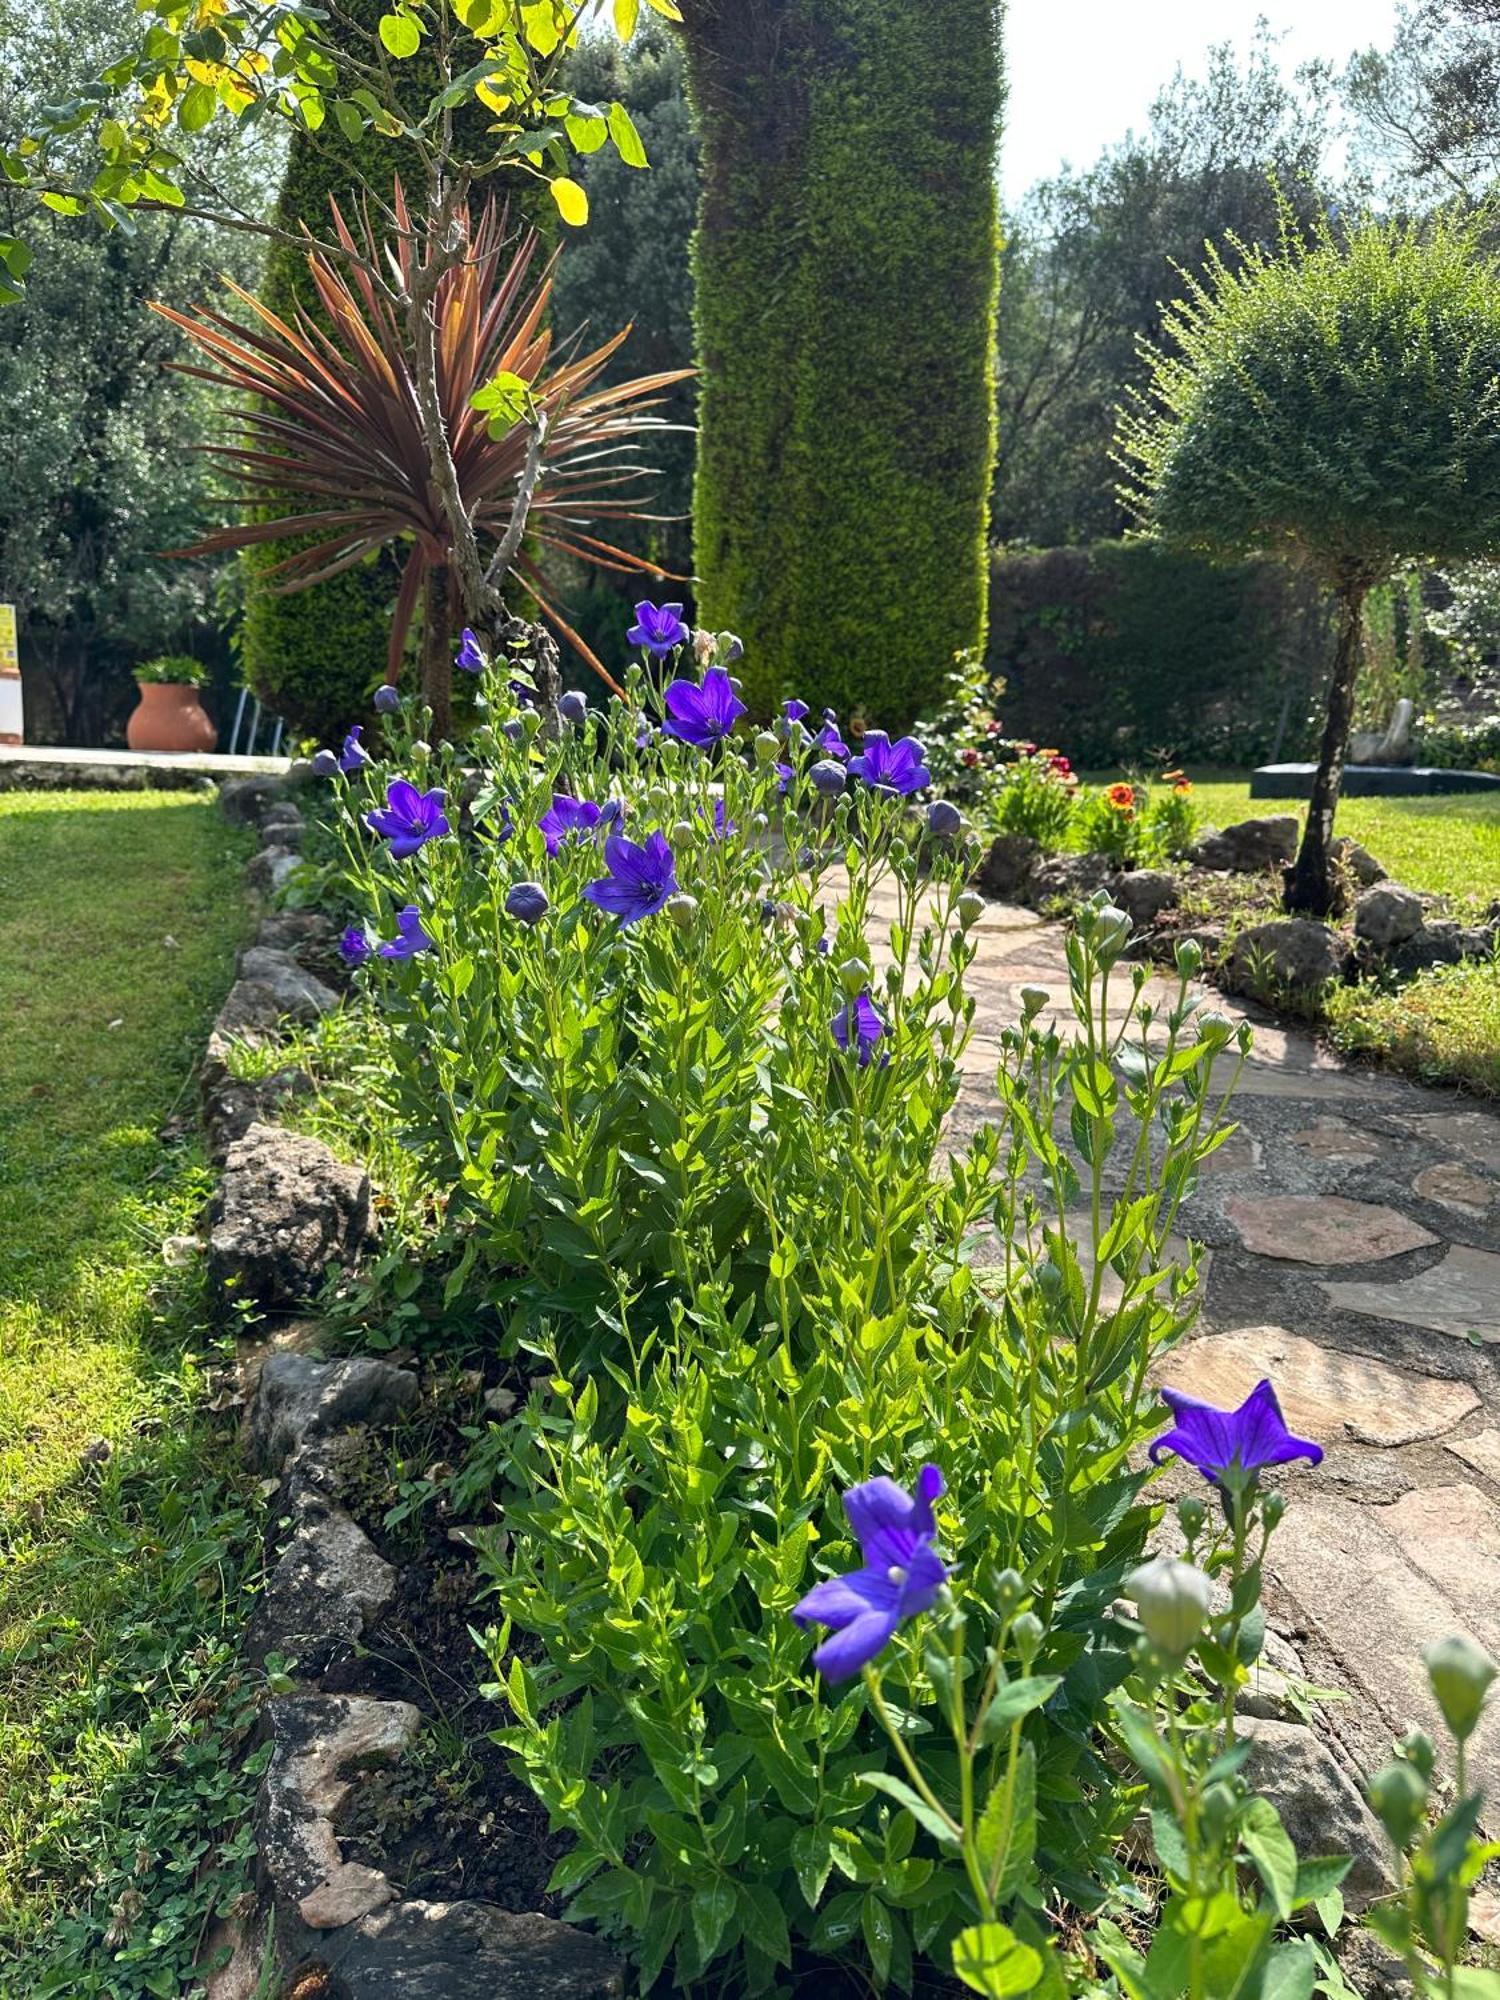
(847, 265)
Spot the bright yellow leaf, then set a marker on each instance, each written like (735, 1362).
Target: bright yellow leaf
(627, 12)
(487, 91)
(572, 202)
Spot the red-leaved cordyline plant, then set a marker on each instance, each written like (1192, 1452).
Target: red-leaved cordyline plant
(343, 418)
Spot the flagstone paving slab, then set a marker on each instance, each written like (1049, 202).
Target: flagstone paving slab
(1335, 1139)
(1480, 1451)
(1475, 1134)
(1458, 1296)
(1456, 1187)
(1323, 1229)
(1324, 1394)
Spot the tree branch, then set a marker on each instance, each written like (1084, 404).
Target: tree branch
(531, 472)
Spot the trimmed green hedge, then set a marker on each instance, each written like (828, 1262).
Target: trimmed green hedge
(1128, 653)
(847, 273)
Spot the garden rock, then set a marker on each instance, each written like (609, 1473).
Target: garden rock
(320, 1744)
(1320, 1807)
(231, 1105)
(284, 817)
(1442, 942)
(324, 1594)
(1387, 914)
(1296, 952)
(295, 930)
(1250, 845)
(1005, 872)
(271, 869)
(1356, 861)
(469, 1951)
(295, 993)
(1143, 893)
(1069, 878)
(286, 1210)
(248, 800)
(299, 1399)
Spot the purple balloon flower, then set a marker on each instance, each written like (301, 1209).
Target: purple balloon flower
(723, 825)
(1221, 1442)
(471, 656)
(325, 764)
(527, 902)
(410, 937)
(567, 818)
(387, 699)
(831, 743)
(658, 628)
(827, 777)
(858, 1024)
(354, 755)
(893, 767)
(574, 706)
(703, 715)
(901, 1575)
(642, 876)
(355, 946)
(409, 818)
(794, 710)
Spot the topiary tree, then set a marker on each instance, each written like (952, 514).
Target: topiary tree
(847, 264)
(1337, 402)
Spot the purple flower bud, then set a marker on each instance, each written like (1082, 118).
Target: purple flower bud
(513, 731)
(827, 777)
(355, 946)
(354, 756)
(943, 819)
(528, 902)
(387, 699)
(326, 764)
(471, 657)
(574, 707)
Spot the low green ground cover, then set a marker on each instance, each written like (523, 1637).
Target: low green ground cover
(127, 1537)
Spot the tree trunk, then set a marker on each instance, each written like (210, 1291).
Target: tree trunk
(437, 650)
(1311, 889)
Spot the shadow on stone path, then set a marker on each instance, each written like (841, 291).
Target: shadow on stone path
(1353, 1231)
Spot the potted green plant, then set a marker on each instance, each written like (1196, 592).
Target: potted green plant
(170, 715)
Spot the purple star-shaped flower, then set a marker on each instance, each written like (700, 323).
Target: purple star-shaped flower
(410, 937)
(831, 744)
(658, 628)
(409, 818)
(894, 767)
(470, 657)
(355, 946)
(642, 876)
(703, 715)
(567, 818)
(858, 1023)
(901, 1575)
(1221, 1442)
(354, 756)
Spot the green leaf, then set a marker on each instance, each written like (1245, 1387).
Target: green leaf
(713, 1906)
(627, 139)
(400, 35)
(812, 1858)
(1006, 1835)
(1291, 1972)
(196, 106)
(915, 1804)
(875, 1921)
(990, 1959)
(348, 119)
(1269, 1846)
(1015, 1699)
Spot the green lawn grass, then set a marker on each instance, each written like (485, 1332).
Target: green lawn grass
(1448, 846)
(120, 1581)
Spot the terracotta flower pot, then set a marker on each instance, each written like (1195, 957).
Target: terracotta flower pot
(170, 717)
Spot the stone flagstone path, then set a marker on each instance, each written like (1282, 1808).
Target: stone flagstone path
(1353, 1231)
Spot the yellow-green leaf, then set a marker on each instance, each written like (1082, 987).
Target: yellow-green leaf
(572, 202)
(400, 34)
(668, 9)
(627, 139)
(197, 106)
(587, 133)
(627, 13)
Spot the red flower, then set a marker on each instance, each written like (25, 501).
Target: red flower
(970, 758)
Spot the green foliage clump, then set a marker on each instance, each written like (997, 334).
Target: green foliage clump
(1135, 653)
(174, 669)
(847, 271)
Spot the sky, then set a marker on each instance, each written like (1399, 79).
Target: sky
(1083, 72)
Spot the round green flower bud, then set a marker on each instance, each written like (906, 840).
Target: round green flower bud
(1008, 1588)
(1215, 1028)
(420, 751)
(659, 799)
(1189, 956)
(767, 747)
(1272, 1508)
(1417, 1747)
(1111, 933)
(682, 833)
(682, 908)
(854, 976)
(1398, 1794)
(970, 907)
(1027, 1634)
(1460, 1675)
(1192, 1516)
(1033, 1000)
(1172, 1601)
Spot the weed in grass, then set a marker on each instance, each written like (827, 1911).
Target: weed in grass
(1443, 1026)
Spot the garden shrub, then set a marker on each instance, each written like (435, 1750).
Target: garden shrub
(1132, 653)
(846, 266)
(693, 1161)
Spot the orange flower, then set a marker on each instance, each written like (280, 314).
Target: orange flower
(1121, 797)
(1182, 787)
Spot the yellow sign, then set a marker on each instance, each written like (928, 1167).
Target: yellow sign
(10, 661)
